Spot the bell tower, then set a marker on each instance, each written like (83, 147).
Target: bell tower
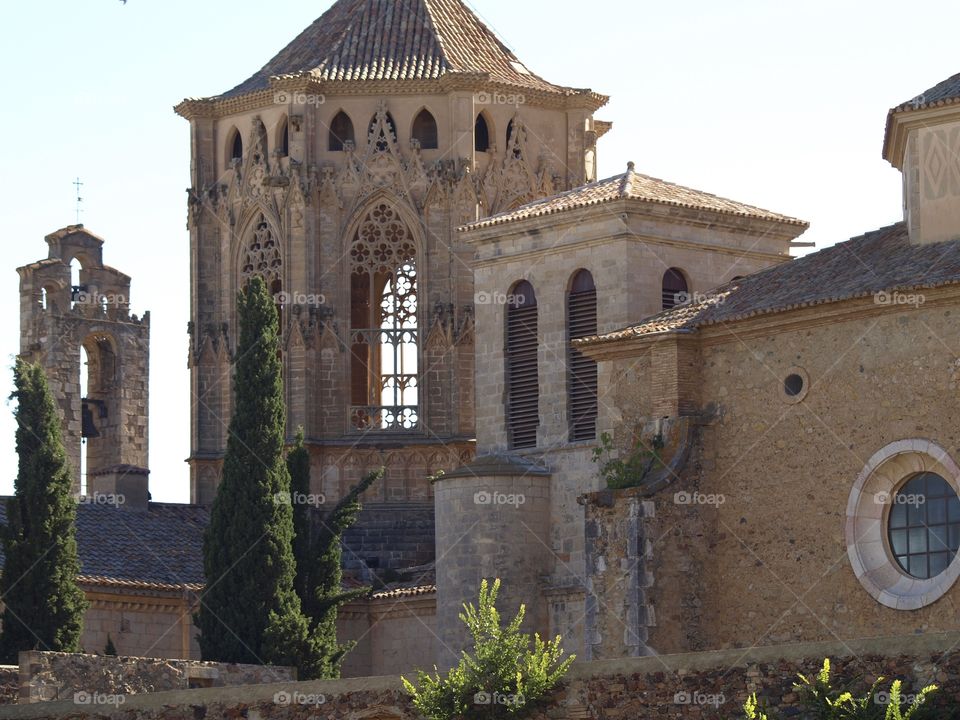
(339, 173)
(63, 318)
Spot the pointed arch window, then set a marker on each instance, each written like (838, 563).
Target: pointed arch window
(384, 326)
(481, 134)
(523, 378)
(235, 144)
(674, 288)
(581, 370)
(341, 131)
(283, 138)
(261, 258)
(425, 130)
(513, 144)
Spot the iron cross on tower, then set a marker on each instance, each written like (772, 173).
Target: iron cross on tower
(78, 185)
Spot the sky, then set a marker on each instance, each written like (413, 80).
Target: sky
(780, 105)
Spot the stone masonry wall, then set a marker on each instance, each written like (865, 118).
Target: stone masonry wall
(695, 686)
(48, 676)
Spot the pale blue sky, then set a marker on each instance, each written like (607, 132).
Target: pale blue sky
(781, 105)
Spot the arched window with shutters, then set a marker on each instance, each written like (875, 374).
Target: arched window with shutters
(234, 147)
(523, 377)
(341, 131)
(425, 130)
(283, 138)
(674, 289)
(581, 370)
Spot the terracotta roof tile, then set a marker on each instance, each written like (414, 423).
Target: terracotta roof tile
(404, 592)
(882, 261)
(391, 40)
(632, 185)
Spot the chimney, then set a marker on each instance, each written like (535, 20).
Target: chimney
(923, 142)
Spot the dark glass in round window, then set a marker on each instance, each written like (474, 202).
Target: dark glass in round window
(924, 526)
(793, 385)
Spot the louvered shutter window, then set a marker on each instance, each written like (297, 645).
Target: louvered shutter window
(675, 288)
(523, 382)
(581, 370)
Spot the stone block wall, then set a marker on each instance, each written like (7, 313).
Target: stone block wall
(49, 676)
(693, 686)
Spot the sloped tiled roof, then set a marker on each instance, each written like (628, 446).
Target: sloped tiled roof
(160, 548)
(394, 40)
(632, 185)
(882, 261)
(943, 93)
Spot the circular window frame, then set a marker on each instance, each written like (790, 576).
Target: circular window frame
(868, 511)
(794, 399)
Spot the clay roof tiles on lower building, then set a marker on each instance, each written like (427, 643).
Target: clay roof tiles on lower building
(632, 185)
(878, 263)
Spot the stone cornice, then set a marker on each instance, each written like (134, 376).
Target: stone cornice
(601, 238)
(220, 106)
(902, 122)
(627, 209)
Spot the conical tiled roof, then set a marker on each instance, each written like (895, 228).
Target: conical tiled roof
(397, 40)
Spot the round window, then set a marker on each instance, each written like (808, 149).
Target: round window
(793, 385)
(924, 526)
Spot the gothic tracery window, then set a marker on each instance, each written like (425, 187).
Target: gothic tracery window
(384, 327)
(262, 257)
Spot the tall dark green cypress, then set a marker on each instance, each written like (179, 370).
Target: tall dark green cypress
(249, 611)
(319, 581)
(44, 606)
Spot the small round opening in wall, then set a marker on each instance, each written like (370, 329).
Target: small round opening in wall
(793, 385)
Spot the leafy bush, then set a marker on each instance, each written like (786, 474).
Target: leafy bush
(821, 701)
(640, 462)
(504, 677)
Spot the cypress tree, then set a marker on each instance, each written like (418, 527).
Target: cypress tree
(249, 611)
(44, 606)
(319, 579)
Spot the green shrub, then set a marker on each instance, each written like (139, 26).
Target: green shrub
(820, 700)
(506, 676)
(640, 461)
